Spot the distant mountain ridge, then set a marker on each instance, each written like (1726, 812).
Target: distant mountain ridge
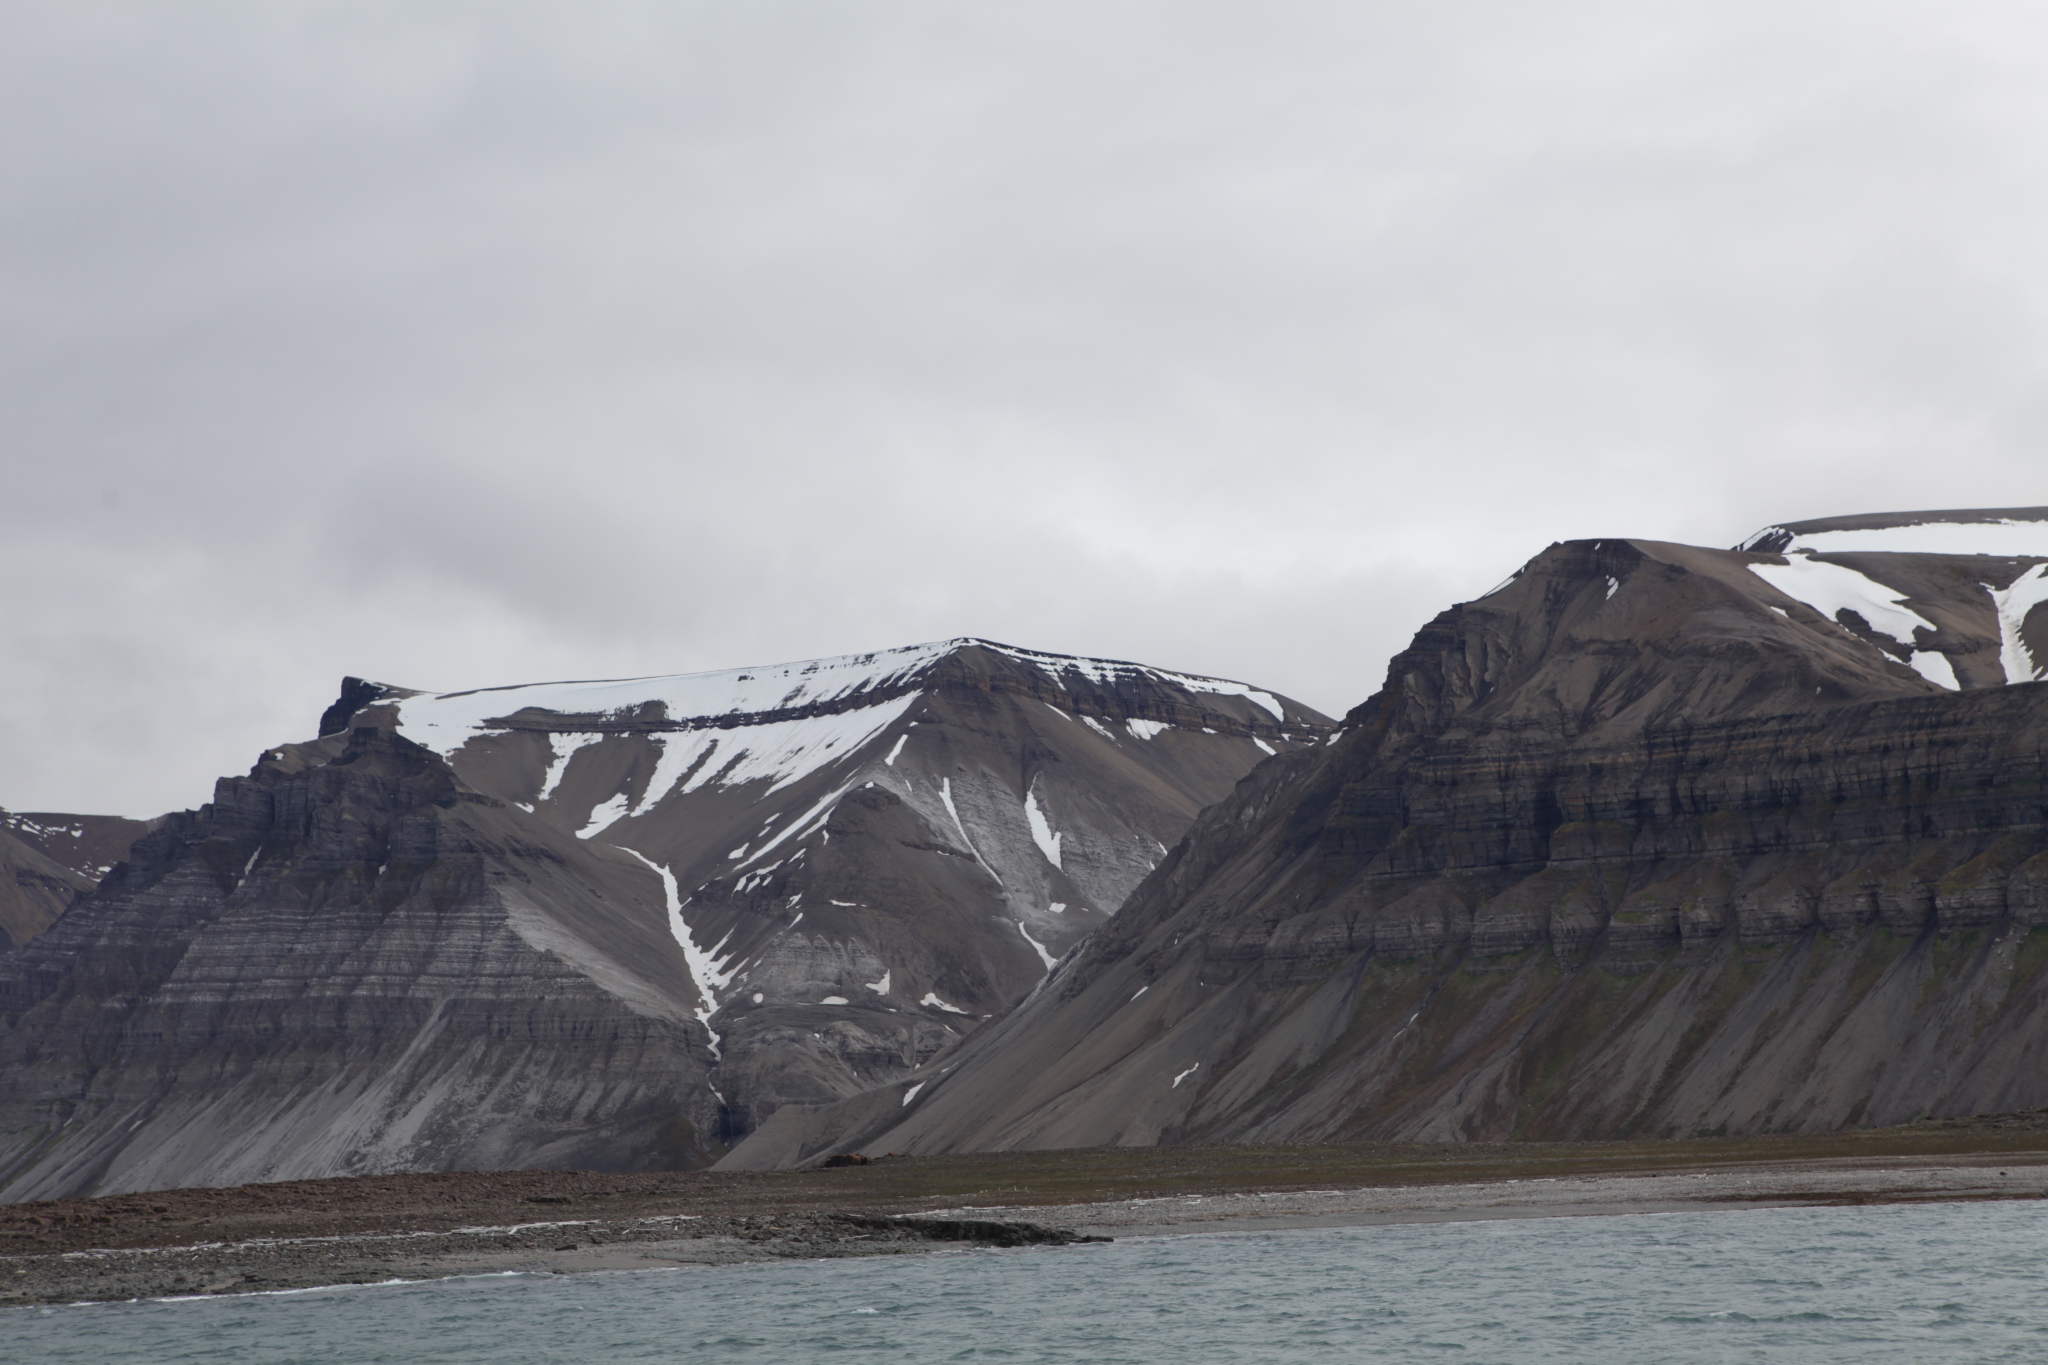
(1653, 839)
(49, 860)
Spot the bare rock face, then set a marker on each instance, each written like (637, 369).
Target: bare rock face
(867, 855)
(47, 861)
(607, 925)
(1651, 840)
(349, 962)
(34, 890)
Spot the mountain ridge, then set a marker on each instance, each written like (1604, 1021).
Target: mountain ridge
(1612, 791)
(673, 931)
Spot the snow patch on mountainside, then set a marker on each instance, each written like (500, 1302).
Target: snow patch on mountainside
(946, 796)
(734, 725)
(2005, 536)
(2029, 590)
(1041, 829)
(710, 974)
(1049, 960)
(446, 722)
(1831, 589)
(564, 748)
(780, 753)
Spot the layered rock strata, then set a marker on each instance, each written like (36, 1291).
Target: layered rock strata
(47, 861)
(867, 855)
(350, 961)
(1640, 843)
(597, 925)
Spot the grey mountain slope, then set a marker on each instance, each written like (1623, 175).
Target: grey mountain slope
(890, 889)
(47, 861)
(1638, 843)
(89, 845)
(349, 962)
(367, 956)
(34, 890)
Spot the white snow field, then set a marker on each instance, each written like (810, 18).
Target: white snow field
(2006, 536)
(1832, 588)
(759, 739)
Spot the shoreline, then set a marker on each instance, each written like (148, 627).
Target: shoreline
(1848, 1182)
(187, 1267)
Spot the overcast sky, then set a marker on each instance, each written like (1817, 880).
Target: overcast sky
(457, 344)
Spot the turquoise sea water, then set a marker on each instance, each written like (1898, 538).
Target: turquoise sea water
(1948, 1282)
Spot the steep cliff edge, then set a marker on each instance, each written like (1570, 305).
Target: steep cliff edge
(1653, 839)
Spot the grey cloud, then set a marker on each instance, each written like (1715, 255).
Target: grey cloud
(476, 343)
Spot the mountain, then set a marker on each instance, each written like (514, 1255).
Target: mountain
(606, 925)
(1652, 839)
(48, 860)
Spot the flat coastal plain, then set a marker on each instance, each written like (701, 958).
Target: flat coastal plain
(370, 1229)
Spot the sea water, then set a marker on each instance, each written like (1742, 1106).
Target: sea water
(1944, 1282)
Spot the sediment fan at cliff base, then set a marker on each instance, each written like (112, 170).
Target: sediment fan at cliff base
(1650, 840)
(607, 925)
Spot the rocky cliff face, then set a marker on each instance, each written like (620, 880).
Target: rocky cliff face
(349, 961)
(1652, 839)
(47, 861)
(867, 855)
(597, 925)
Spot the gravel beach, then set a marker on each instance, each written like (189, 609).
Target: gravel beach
(293, 1235)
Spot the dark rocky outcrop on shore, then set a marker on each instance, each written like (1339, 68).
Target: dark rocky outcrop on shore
(1650, 840)
(605, 925)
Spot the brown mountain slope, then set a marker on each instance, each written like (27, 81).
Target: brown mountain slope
(47, 861)
(1639, 843)
(34, 890)
(89, 845)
